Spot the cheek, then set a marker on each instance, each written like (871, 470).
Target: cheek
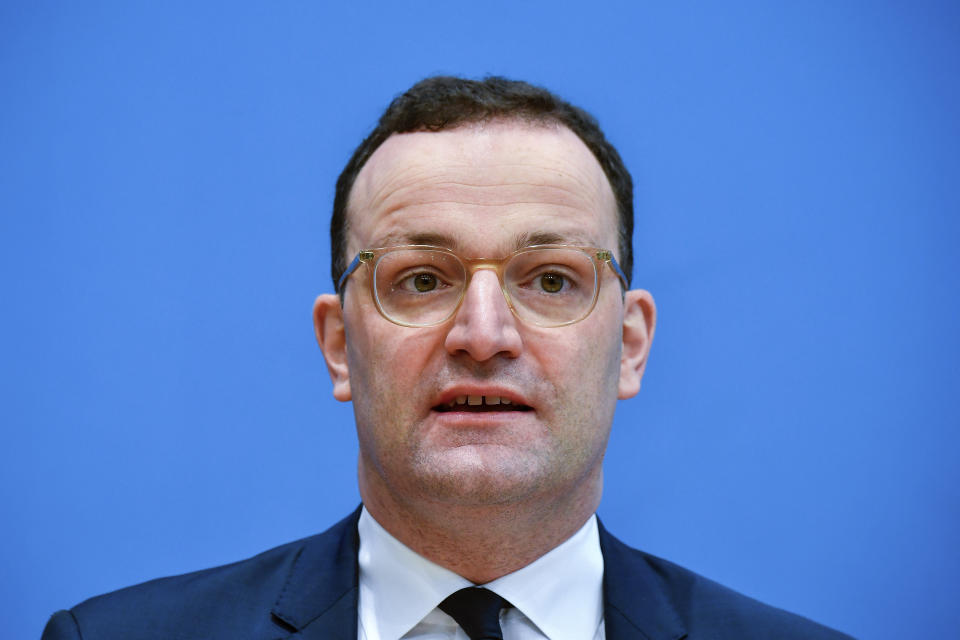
(584, 368)
(587, 354)
(386, 363)
(585, 374)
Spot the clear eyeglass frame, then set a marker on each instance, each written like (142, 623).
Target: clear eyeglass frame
(372, 257)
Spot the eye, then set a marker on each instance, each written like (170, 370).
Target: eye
(419, 282)
(424, 282)
(551, 282)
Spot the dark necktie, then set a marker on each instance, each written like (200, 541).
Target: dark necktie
(477, 611)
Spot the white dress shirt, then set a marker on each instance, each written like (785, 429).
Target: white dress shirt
(559, 596)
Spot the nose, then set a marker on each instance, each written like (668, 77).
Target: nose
(484, 326)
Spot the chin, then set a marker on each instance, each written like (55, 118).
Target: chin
(476, 478)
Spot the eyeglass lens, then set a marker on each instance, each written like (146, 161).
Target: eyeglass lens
(548, 286)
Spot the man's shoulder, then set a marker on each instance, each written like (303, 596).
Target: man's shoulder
(642, 589)
(197, 595)
(240, 599)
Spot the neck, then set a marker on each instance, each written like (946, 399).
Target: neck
(482, 542)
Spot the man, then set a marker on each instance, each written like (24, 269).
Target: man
(484, 327)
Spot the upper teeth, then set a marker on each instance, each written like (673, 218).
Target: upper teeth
(478, 400)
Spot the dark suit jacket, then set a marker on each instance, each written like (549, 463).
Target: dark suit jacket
(307, 590)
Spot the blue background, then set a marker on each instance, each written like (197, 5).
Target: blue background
(166, 176)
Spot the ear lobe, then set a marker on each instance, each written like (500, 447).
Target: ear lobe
(332, 338)
(639, 322)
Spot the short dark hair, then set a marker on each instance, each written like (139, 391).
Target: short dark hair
(446, 102)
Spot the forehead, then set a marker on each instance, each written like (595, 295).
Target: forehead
(482, 188)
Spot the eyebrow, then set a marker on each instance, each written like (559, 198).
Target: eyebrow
(447, 241)
(548, 237)
(431, 238)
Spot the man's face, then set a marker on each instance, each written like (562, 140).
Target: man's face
(483, 191)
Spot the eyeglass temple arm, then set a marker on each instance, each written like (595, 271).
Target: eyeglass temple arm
(360, 257)
(607, 256)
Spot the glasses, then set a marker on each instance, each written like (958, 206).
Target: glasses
(544, 285)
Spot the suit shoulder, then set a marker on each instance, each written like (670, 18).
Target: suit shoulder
(709, 609)
(716, 605)
(215, 602)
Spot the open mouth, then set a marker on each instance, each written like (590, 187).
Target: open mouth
(481, 404)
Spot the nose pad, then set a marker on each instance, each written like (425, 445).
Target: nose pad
(484, 325)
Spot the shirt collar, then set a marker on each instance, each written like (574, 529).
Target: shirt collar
(561, 592)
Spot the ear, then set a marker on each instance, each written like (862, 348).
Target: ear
(332, 338)
(639, 321)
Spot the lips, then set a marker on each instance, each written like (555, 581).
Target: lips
(474, 402)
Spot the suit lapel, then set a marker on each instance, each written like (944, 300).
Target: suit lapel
(636, 604)
(319, 599)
